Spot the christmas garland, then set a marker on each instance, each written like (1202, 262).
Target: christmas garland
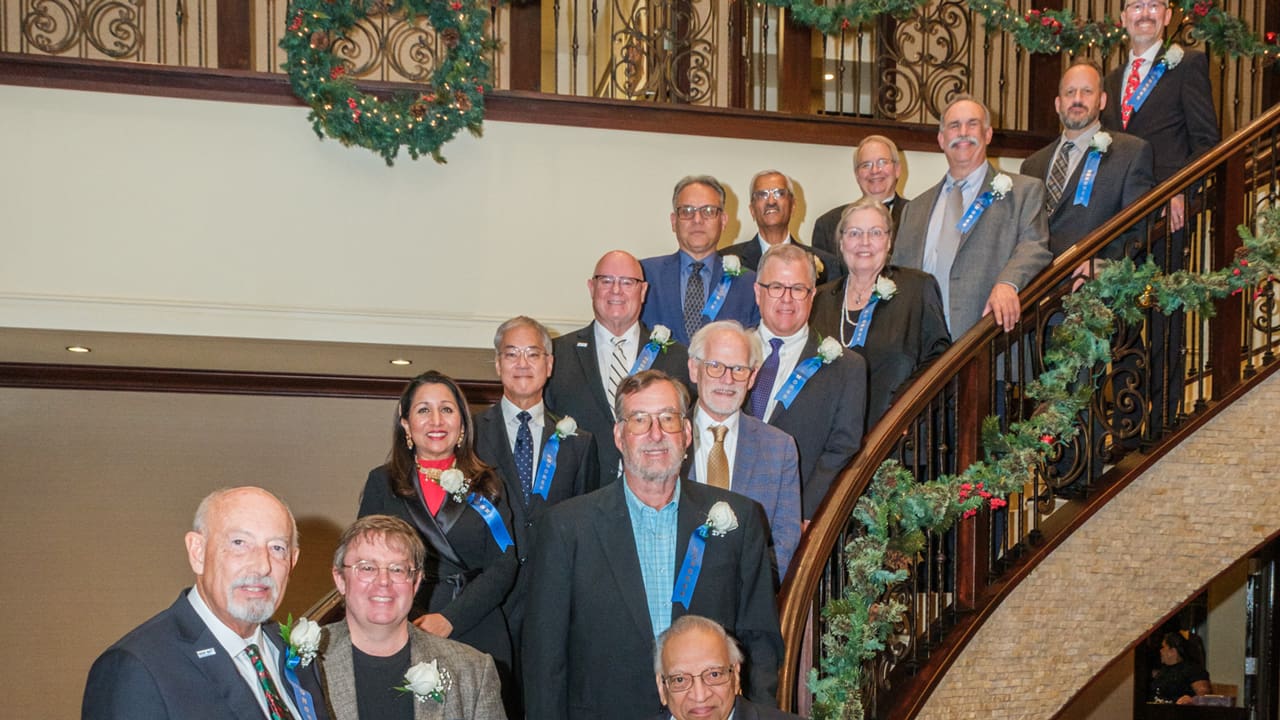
(896, 512)
(421, 122)
(1042, 31)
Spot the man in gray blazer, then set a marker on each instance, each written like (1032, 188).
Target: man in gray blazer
(877, 165)
(376, 663)
(980, 232)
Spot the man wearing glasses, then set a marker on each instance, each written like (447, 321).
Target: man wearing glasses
(733, 450)
(820, 400)
(593, 360)
(698, 670)
(689, 288)
(772, 199)
(614, 568)
(876, 168)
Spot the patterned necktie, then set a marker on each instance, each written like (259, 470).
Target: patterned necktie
(1058, 175)
(718, 461)
(524, 455)
(764, 380)
(1130, 85)
(617, 371)
(948, 244)
(276, 709)
(695, 296)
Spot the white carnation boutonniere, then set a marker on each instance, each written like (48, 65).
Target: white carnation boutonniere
(567, 427)
(829, 349)
(302, 640)
(884, 288)
(427, 681)
(732, 265)
(720, 521)
(455, 483)
(1001, 185)
(660, 337)
(1172, 56)
(1101, 142)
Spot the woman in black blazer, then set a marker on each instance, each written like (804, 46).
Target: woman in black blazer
(434, 481)
(891, 316)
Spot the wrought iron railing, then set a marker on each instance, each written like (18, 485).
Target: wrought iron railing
(933, 429)
(711, 53)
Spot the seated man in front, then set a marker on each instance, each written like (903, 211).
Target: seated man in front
(377, 665)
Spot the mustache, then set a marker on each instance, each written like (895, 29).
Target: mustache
(962, 138)
(245, 580)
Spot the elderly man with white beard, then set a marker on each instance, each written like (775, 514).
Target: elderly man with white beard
(213, 654)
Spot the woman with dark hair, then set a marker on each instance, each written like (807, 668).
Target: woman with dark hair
(1181, 676)
(909, 330)
(434, 481)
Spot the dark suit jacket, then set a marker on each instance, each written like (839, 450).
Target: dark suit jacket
(1124, 174)
(476, 612)
(750, 253)
(1177, 117)
(576, 389)
(1008, 243)
(908, 331)
(664, 305)
(744, 709)
(824, 228)
(826, 419)
(590, 653)
(766, 468)
(157, 672)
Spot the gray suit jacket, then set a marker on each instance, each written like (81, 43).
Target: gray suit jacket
(475, 694)
(1009, 243)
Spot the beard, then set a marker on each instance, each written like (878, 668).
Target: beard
(1085, 121)
(253, 611)
(652, 472)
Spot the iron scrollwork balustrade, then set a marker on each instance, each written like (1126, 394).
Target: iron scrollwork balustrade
(112, 27)
(665, 51)
(390, 47)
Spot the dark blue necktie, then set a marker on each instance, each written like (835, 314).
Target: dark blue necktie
(695, 297)
(524, 455)
(764, 380)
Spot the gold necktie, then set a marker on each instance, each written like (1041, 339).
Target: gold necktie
(718, 461)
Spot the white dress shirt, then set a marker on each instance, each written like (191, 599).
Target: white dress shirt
(536, 423)
(704, 439)
(788, 358)
(1148, 61)
(604, 350)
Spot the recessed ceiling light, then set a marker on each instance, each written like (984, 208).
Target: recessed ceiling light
(401, 361)
(78, 349)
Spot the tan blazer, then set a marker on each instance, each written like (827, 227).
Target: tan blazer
(476, 693)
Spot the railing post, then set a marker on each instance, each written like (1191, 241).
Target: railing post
(1225, 325)
(235, 22)
(795, 61)
(525, 46)
(1043, 72)
(973, 536)
(737, 39)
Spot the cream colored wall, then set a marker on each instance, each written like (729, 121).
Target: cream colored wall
(156, 215)
(1225, 627)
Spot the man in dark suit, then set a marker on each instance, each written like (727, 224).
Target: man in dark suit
(594, 359)
(210, 655)
(980, 232)
(1119, 176)
(616, 567)
(697, 666)
(772, 200)
(826, 415)
(876, 167)
(689, 288)
(733, 450)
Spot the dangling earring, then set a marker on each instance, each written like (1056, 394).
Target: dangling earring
(461, 436)
(408, 442)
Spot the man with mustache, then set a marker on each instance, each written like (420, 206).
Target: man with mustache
(772, 200)
(876, 168)
(982, 233)
(213, 654)
(614, 568)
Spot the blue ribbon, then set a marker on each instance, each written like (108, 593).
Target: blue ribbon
(1084, 190)
(864, 322)
(547, 466)
(716, 301)
(491, 517)
(795, 383)
(691, 568)
(644, 360)
(301, 697)
(1139, 96)
(975, 211)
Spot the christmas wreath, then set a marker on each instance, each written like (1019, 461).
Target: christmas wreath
(422, 121)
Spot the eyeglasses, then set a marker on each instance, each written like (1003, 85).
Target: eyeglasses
(639, 423)
(608, 282)
(874, 234)
(1138, 8)
(716, 369)
(708, 212)
(880, 164)
(777, 290)
(368, 572)
(711, 677)
(532, 354)
(770, 194)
